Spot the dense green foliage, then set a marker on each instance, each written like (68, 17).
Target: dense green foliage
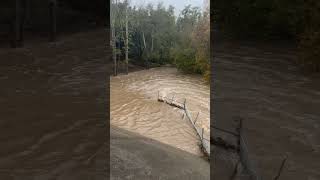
(156, 36)
(297, 20)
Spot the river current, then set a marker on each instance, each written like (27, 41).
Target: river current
(134, 106)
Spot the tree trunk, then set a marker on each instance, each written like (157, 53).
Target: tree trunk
(144, 41)
(114, 45)
(152, 43)
(27, 13)
(144, 49)
(127, 41)
(23, 7)
(152, 40)
(16, 24)
(114, 51)
(53, 19)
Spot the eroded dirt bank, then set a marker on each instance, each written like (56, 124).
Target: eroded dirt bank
(136, 157)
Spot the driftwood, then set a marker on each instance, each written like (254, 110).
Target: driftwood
(281, 168)
(171, 103)
(205, 143)
(222, 143)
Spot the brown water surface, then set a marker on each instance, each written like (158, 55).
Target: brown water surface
(279, 104)
(52, 107)
(134, 106)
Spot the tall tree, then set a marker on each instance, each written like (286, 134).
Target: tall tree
(127, 38)
(113, 34)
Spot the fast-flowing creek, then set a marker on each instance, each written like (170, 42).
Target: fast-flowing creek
(279, 104)
(134, 106)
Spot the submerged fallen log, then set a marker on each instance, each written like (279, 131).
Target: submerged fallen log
(170, 102)
(205, 143)
(222, 143)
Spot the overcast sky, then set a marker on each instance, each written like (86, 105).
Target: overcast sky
(178, 4)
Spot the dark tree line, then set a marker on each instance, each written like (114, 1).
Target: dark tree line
(297, 20)
(156, 36)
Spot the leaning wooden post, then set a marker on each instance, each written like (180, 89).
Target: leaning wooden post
(172, 99)
(196, 119)
(239, 134)
(202, 134)
(53, 19)
(281, 168)
(184, 103)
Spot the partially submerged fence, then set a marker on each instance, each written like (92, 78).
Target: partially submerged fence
(245, 160)
(247, 163)
(205, 143)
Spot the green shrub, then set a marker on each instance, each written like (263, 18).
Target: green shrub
(185, 60)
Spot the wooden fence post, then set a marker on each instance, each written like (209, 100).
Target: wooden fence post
(202, 134)
(239, 132)
(172, 99)
(281, 168)
(196, 119)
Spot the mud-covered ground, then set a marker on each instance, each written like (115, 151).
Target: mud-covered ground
(137, 157)
(279, 105)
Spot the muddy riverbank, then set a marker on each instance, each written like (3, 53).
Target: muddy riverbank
(137, 157)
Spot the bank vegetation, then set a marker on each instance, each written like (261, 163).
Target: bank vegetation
(152, 35)
(293, 20)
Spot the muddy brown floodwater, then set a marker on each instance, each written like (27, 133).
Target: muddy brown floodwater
(52, 106)
(279, 104)
(134, 106)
